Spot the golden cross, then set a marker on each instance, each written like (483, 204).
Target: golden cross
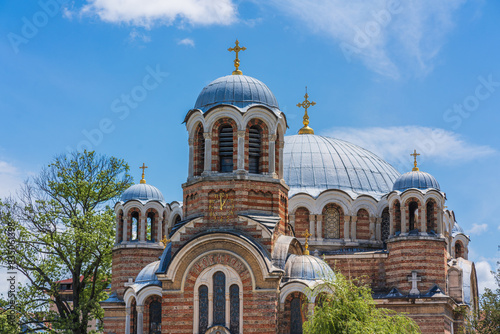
(414, 155)
(306, 104)
(143, 168)
(237, 49)
(307, 235)
(165, 241)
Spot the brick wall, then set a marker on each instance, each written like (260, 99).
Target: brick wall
(301, 221)
(363, 225)
(371, 267)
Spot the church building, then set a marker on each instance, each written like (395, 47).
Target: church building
(267, 217)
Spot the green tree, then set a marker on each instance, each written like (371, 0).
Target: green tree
(486, 320)
(347, 306)
(60, 227)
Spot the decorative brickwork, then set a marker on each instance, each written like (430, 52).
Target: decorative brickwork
(363, 225)
(301, 221)
(396, 214)
(431, 215)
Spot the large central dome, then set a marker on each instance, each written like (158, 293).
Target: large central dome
(238, 90)
(313, 164)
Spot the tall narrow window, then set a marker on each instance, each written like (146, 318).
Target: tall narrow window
(234, 297)
(219, 298)
(397, 218)
(199, 152)
(430, 217)
(134, 320)
(150, 223)
(332, 223)
(226, 149)
(413, 208)
(203, 308)
(155, 317)
(295, 316)
(254, 150)
(385, 224)
(135, 226)
(459, 249)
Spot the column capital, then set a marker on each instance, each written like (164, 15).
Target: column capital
(347, 219)
(207, 135)
(241, 133)
(378, 220)
(191, 141)
(354, 218)
(128, 310)
(312, 217)
(273, 137)
(140, 308)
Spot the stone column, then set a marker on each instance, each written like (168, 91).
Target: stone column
(440, 221)
(281, 159)
(347, 228)
(391, 222)
(272, 156)
(191, 157)
(140, 318)
(372, 228)
(127, 320)
(354, 220)
(125, 228)
(312, 224)
(210, 309)
(423, 220)
(241, 152)
(378, 229)
(142, 228)
(228, 305)
(291, 220)
(319, 227)
(208, 153)
(159, 227)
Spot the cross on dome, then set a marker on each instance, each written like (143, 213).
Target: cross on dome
(237, 49)
(414, 155)
(306, 104)
(143, 167)
(307, 235)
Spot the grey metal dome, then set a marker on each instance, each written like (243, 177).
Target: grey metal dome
(415, 179)
(142, 192)
(237, 90)
(307, 267)
(313, 164)
(456, 229)
(147, 276)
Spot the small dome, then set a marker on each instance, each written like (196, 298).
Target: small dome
(148, 273)
(457, 229)
(237, 90)
(313, 164)
(142, 192)
(415, 179)
(307, 267)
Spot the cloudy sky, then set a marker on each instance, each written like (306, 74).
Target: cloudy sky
(118, 76)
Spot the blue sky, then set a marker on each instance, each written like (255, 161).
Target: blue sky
(119, 77)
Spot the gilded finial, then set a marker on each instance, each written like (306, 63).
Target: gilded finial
(306, 130)
(143, 167)
(307, 235)
(237, 49)
(165, 241)
(414, 155)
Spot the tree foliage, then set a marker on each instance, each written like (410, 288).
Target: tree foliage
(486, 320)
(60, 227)
(347, 306)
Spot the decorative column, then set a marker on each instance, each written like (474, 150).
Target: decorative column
(142, 229)
(272, 157)
(347, 220)
(439, 221)
(210, 308)
(208, 153)
(312, 225)
(191, 157)
(125, 228)
(241, 152)
(159, 227)
(354, 220)
(378, 229)
(228, 305)
(319, 227)
(127, 320)
(140, 318)
(372, 227)
(423, 220)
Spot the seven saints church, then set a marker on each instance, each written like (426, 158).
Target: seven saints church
(265, 218)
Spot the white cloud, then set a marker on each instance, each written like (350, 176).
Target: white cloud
(485, 278)
(137, 35)
(186, 41)
(10, 179)
(477, 229)
(396, 143)
(146, 13)
(385, 35)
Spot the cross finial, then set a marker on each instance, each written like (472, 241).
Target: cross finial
(306, 130)
(237, 49)
(143, 167)
(414, 155)
(307, 235)
(165, 241)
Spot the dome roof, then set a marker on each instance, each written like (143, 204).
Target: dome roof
(148, 273)
(307, 267)
(142, 192)
(237, 90)
(456, 229)
(313, 164)
(415, 179)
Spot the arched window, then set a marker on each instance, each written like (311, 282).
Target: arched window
(296, 316)
(199, 152)
(413, 208)
(397, 218)
(226, 149)
(431, 227)
(135, 226)
(459, 249)
(120, 226)
(134, 319)
(150, 226)
(155, 317)
(385, 224)
(254, 149)
(219, 281)
(203, 308)
(332, 222)
(234, 309)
